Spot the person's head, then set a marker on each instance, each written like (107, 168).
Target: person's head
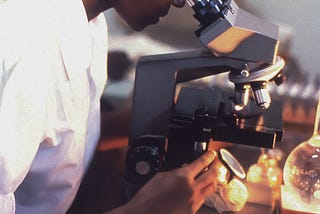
(140, 13)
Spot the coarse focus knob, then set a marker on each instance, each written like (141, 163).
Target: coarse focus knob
(145, 160)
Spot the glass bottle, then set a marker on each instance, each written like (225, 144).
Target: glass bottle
(302, 171)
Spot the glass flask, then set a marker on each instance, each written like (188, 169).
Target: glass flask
(301, 173)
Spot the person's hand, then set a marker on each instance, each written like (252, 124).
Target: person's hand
(181, 190)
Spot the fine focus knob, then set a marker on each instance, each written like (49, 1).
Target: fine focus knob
(142, 167)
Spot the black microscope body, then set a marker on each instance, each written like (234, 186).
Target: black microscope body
(172, 125)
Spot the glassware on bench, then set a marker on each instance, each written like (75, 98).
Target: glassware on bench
(302, 171)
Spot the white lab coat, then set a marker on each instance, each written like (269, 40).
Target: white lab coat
(52, 74)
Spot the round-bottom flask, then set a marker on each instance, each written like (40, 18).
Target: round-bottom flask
(302, 171)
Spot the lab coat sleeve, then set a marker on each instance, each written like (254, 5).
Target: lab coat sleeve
(7, 203)
(23, 97)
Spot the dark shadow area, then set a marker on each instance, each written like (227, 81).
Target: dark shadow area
(102, 188)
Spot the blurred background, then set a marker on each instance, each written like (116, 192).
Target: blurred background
(297, 22)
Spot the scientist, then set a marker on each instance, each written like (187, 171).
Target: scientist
(53, 71)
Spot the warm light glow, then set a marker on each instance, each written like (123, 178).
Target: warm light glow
(274, 175)
(228, 41)
(266, 172)
(292, 201)
(262, 159)
(274, 178)
(316, 194)
(238, 107)
(223, 174)
(254, 174)
(236, 193)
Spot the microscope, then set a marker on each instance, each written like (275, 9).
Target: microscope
(171, 127)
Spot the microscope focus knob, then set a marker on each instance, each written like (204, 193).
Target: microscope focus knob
(145, 160)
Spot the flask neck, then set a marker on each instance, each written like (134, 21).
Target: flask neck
(316, 129)
(315, 140)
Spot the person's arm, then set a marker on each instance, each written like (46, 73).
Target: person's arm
(23, 97)
(181, 190)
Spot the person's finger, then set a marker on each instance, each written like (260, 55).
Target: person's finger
(201, 163)
(209, 190)
(178, 3)
(207, 177)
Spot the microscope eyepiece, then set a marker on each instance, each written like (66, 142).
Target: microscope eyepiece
(207, 11)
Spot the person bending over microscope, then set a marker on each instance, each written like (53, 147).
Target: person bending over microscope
(53, 71)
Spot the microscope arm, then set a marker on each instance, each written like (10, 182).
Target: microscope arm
(155, 85)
